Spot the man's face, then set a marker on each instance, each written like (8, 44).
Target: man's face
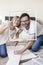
(25, 21)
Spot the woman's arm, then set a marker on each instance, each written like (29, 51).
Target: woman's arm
(3, 28)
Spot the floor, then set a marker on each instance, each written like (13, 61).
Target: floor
(3, 61)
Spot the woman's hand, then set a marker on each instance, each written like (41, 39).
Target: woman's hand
(15, 43)
(22, 39)
(18, 51)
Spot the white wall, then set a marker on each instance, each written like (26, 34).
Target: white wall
(12, 7)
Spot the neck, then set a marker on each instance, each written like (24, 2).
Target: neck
(27, 28)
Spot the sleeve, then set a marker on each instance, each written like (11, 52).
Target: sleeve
(33, 27)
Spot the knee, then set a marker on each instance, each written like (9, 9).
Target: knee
(3, 55)
(34, 49)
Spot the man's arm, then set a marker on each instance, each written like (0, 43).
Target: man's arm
(27, 45)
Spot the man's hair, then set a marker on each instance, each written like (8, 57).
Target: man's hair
(25, 14)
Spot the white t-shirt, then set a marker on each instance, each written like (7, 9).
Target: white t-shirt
(4, 37)
(35, 27)
(6, 34)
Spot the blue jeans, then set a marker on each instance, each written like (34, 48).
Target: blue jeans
(36, 45)
(3, 50)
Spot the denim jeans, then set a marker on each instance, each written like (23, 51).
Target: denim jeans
(3, 50)
(37, 43)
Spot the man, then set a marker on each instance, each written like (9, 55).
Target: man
(35, 33)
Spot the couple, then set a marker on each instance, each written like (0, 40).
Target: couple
(30, 31)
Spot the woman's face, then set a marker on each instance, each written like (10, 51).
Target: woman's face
(16, 22)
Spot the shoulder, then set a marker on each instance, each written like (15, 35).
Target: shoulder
(33, 23)
(2, 25)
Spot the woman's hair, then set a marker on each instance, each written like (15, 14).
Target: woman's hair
(15, 18)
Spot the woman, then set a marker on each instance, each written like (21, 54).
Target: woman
(4, 36)
(3, 39)
(17, 27)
